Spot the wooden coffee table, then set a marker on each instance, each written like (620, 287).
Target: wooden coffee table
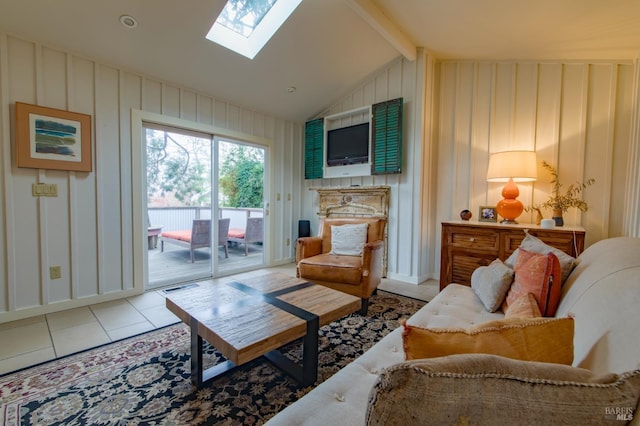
(254, 314)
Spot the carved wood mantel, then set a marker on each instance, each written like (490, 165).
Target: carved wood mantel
(356, 201)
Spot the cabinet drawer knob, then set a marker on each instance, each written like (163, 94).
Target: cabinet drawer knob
(472, 239)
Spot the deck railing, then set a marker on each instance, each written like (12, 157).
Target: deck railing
(178, 218)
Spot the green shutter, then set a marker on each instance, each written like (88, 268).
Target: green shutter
(387, 137)
(313, 141)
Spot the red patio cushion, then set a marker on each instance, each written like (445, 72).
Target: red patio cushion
(236, 232)
(184, 235)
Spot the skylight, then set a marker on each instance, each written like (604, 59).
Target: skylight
(245, 26)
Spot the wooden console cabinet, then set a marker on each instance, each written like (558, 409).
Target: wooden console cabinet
(468, 245)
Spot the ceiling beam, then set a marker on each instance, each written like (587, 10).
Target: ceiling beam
(372, 14)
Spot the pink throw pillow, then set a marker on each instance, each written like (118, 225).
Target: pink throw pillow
(540, 275)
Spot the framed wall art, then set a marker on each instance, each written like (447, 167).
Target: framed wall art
(48, 138)
(488, 214)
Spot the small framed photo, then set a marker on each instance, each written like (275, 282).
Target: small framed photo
(48, 138)
(488, 214)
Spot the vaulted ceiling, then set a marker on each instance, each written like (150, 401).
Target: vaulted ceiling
(325, 47)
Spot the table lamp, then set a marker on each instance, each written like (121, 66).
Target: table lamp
(511, 167)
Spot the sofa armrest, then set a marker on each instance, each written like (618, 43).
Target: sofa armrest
(307, 247)
(445, 390)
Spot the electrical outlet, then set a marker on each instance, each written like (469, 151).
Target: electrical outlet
(278, 196)
(55, 272)
(288, 241)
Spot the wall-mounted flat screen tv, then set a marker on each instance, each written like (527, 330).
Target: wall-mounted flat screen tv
(348, 145)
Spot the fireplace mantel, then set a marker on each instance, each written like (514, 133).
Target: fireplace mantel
(356, 201)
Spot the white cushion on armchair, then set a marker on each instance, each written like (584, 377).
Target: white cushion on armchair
(348, 240)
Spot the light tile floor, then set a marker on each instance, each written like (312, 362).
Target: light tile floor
(43, 338)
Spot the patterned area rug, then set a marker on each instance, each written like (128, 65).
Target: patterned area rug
(145, 380)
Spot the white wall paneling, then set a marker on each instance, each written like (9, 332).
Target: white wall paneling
(580, 116)
(576, 116)
(89, 229)
(632, 211)
(7, 233)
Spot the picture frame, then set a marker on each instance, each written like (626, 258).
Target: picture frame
(487, 214)
(53, 139)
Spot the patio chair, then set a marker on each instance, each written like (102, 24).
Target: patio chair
(152, 234)
(223, 234)
(251, 234)
(198, 237)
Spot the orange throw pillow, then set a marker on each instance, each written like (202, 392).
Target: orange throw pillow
(526, 339)
(540, 275)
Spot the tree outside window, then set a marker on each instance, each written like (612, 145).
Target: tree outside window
(179, 172)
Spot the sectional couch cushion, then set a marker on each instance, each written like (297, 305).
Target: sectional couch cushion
(527, 339)
(516, 392)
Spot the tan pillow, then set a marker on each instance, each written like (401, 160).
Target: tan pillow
(491, 390)
(525, 306)
(491, 284)
(527, 339)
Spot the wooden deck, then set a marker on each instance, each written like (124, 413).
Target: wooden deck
(174, 265)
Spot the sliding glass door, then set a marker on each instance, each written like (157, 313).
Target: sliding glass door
(179, 207)
(193, 178)
(241, 169)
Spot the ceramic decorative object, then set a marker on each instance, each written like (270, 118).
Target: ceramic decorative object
(547, 223)
(557, 217)
(465, 214)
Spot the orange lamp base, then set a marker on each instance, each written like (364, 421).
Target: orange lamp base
(510, 208)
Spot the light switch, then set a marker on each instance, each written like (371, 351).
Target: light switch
(44, 190)
(55, 272)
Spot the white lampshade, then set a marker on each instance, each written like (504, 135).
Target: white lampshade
(518, 165)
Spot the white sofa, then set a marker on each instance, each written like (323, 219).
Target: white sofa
(602, 292)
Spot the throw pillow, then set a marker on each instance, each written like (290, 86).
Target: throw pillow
(491, 283)
(525, 306)
(539, 339)
(536, 245)
(348, 240)
(540, 275)
(513, 392)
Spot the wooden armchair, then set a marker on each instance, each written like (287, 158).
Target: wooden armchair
(356, 275)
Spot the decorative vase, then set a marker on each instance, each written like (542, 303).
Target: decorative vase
(539, 217)
(557, 217)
